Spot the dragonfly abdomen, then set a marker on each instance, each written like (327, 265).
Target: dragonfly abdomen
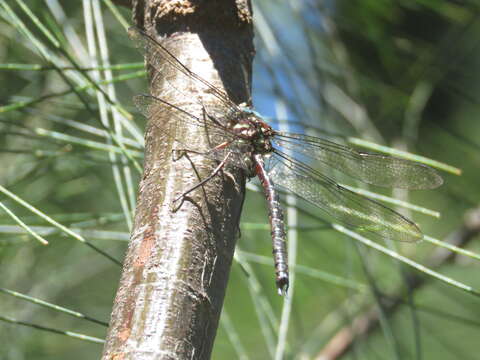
(277, 225)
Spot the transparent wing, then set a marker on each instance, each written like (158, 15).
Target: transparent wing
(375, 169)
(159, 57)
(151, 106)
(352, 210)
(222, 140)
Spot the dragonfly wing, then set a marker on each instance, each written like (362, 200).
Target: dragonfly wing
(375, 169)
(151, 106)
(166, 63)
(355, 211)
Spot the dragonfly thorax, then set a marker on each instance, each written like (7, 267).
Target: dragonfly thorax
(255, 133)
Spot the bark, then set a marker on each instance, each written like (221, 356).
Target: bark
(176, 269)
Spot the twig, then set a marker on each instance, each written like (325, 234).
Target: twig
(365, 323)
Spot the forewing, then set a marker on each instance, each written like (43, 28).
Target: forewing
(354, 211)
(160, 58)
(375, 169)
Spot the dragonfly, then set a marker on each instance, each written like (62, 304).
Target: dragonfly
(282, 160)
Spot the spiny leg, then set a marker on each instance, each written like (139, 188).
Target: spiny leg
(208, 178)
(221, 146)
(206, 116)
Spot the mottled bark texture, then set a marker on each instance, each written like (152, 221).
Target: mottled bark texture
(176, 269)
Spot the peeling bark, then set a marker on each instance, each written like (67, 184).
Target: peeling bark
(176, 269)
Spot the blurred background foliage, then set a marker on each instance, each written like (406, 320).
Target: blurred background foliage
(401, 73)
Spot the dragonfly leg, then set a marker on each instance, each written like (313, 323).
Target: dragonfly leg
(177, 154)
(208, 178)
(206, 116)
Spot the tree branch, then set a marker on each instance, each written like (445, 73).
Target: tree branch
(177, 265)
(366, 323)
